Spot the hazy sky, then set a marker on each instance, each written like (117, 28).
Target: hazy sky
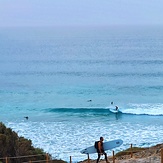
(80, 12)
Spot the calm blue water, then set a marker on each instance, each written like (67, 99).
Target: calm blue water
(51, 74)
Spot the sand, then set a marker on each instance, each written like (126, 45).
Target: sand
(148, 155)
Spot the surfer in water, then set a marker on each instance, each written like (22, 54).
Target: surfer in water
(100, 150)
(116, 108)
(26, 117)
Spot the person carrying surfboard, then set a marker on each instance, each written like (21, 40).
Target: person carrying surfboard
(100, 150)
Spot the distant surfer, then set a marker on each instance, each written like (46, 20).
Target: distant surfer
(100, 150)
(116, 108)
(89, 100)
(26, 117)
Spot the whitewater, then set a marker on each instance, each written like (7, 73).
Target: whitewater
(64, 80)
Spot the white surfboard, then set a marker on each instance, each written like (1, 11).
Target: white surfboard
(113, 110)
(107, 146)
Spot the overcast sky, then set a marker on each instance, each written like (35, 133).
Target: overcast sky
(80, 12)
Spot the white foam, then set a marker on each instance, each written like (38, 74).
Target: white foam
(139, 109)
(65, 139)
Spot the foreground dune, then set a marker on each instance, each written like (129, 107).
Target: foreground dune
(148, 155)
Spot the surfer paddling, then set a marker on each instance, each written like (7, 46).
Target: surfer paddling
(100, 150)
(26, 117)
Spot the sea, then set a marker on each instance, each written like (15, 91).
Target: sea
(65, 78)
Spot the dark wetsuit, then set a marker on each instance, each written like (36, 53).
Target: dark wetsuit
(102, 152)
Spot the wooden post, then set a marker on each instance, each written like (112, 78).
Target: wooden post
(88, 159)
(131, 151)
(6, 160)
(70, 159)
(47, 158)
(113, 157)
(161, 155)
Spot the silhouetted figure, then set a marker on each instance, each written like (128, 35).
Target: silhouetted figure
(100, 150)
(116, 107)
(26, 118)
(89, 101)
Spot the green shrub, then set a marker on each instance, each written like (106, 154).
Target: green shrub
(128, 151)
(13, 146)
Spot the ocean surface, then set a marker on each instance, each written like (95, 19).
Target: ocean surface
(64, 80)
